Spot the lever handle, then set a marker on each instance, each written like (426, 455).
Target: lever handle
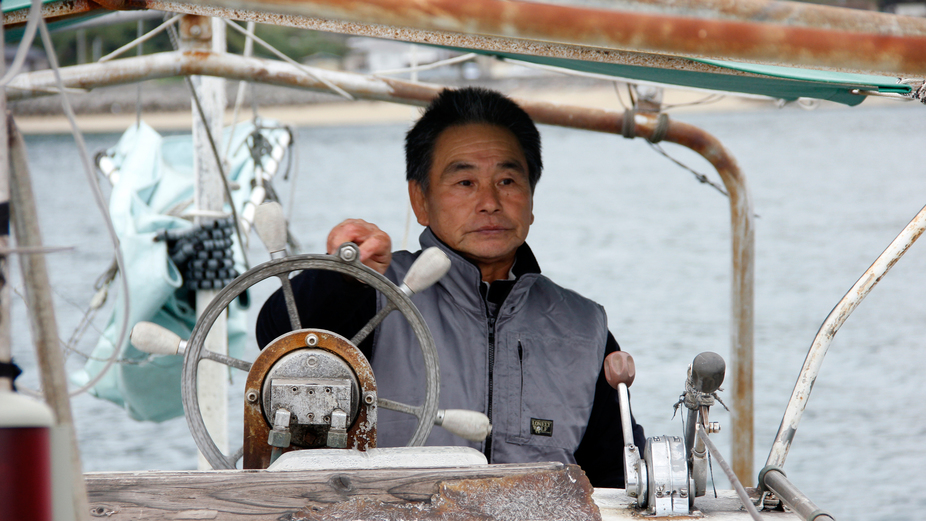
(155, 339)
(470, 425)
(427, 269)
(707, 372)
(271, 227)
(619, 369)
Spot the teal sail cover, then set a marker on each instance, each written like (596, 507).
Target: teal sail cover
(155, 178)
(788, 83)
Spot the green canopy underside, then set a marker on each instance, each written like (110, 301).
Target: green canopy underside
(786, 83)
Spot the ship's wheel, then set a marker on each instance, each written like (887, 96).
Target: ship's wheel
(308, 388)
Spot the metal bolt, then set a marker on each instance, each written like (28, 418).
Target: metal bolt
(713, 427)
(196, 30)
(348, 253)
(368, 399)
(311, 339)
(312, 361)
(252, 396)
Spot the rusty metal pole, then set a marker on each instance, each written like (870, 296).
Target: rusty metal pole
(829, 38)
(742, 295)
(598, 120)
(743, 247)
(208, 34)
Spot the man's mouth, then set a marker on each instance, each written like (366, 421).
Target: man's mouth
(491, 229)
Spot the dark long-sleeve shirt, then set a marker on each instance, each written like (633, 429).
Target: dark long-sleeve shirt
(328, 300)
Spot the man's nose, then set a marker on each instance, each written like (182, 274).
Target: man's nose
(489, 199)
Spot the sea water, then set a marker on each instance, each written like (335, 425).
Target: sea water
(623, 225)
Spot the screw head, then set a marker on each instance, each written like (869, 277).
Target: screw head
(252, 396)
(348, 252)
(311, 340)
(368, 399)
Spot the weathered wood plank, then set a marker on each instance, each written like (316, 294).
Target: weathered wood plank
(260, 494)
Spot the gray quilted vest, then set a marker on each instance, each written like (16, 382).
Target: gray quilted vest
(549, 351)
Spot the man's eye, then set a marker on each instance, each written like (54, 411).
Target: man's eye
(506, 182)
(465, 183)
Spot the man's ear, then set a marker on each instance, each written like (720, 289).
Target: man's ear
(419, 202)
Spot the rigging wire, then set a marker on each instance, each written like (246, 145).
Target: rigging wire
(216, 154)
(242, 88)
(140, 31)
(658, 148)
(426, 66)
(35, 14)
(98, 198)
(699, 176)
(304, 68)
(138, 41)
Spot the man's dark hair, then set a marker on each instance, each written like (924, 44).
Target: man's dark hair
(461, 107)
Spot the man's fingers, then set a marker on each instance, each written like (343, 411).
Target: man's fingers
(619, 368)
(375, 244)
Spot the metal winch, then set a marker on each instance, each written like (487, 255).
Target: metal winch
(672, 471)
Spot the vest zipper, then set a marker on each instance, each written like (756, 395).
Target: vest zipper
(491, 324)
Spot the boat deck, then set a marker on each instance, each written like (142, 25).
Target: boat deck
(549, 491)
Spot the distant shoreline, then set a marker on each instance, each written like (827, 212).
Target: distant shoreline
(164, 111)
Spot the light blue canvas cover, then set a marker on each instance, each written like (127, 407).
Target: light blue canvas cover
(155, 175)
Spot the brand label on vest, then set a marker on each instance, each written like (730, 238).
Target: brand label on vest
(541, 427)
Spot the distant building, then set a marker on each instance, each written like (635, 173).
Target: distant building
(907, 9)
(369, 55)
(35, 59)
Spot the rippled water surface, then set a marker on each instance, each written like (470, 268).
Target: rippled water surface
(624, 226)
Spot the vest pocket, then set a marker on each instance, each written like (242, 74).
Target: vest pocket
(551, 386)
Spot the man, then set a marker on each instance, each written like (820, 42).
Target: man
(511, 343)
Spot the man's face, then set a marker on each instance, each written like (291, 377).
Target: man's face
(479, 201)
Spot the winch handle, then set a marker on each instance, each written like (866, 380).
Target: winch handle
(707, 372)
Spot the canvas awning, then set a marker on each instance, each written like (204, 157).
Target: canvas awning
(788, 83)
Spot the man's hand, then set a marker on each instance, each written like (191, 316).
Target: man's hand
(375, 245)
(619, 368)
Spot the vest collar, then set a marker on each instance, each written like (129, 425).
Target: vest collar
(464, 277)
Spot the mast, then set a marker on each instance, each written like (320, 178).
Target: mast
(208, 34)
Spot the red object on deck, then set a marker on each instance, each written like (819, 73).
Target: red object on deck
(25, 474)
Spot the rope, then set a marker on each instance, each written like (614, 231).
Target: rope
(628, 125)
(35, 14)
(662, 128)
(98, 199)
